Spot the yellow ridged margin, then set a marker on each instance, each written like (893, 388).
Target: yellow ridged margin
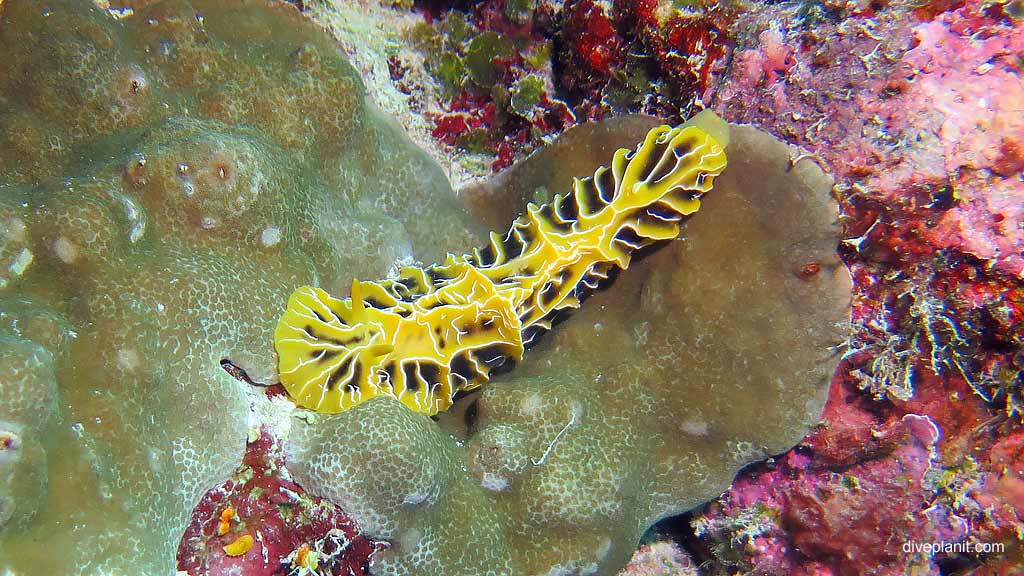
(435, 331)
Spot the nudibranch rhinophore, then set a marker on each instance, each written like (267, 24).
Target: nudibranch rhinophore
(435, 331)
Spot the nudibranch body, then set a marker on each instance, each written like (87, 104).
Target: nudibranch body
(435, 331)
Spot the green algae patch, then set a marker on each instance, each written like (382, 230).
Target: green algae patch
(481, 53)
(711, 353)
(166, 180)
(525, 94)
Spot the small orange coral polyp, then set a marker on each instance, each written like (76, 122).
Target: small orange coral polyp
(225, 521)
(305, 557)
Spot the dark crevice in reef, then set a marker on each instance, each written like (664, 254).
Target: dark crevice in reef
(679, 529)
(957, 565)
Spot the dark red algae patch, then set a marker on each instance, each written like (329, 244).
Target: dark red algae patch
(685, 44)
(555, 64)
(590, 49)
(292, 533)
(490, 61)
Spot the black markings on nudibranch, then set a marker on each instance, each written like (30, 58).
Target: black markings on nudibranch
(651, 161)
(549, 294)
(531, 335)
(409, 371)
(604, 182)
(553, 222)
(566, 209)
(587, 198)
(430, 373)
(663, 168)
(339, 373)
(630, 239)
(513, 244)
(389, 371)
(345, 343)
(357, 374)
(490, 355)
(526, 232)
(374, 303)
(663, 212)
(328, 355)
(460, 366)
(445, 329)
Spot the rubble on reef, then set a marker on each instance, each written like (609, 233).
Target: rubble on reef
(660, 559)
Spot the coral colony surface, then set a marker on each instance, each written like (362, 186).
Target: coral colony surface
(816, 370)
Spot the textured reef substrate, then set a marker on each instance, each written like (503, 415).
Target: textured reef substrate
(912, 108)
(108, 124)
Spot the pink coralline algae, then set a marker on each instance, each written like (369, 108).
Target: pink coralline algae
(971, 77)
(865, 495)
(825, 515)
(918, 465)
(892, 118)
(767, 63)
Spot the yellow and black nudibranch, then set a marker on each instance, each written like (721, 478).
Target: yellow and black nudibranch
(432, 332)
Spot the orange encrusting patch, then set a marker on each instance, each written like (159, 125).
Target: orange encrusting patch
(239, 546)
(432, 332)
(225, 521)
(306, 558)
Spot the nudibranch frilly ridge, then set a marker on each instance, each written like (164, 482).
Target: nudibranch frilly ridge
(435, 331)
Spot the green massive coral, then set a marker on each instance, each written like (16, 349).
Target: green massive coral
(166, 180)
(706, 356)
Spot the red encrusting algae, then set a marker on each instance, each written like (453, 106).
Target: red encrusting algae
(259, 523)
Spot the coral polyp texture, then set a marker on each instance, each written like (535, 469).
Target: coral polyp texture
(434, 332)
(618, 418)
(166, 180)
(170, 172)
